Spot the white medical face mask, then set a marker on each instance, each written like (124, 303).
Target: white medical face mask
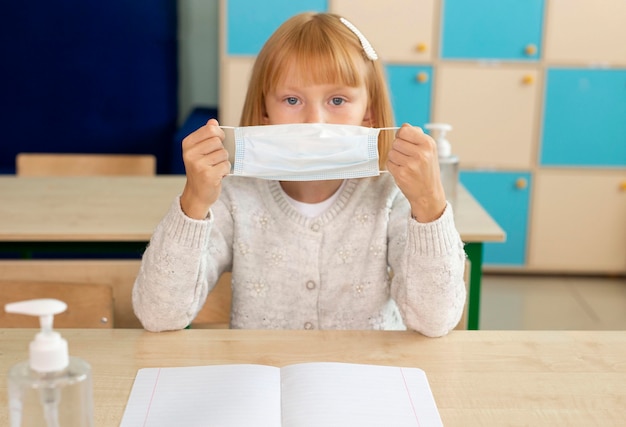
(306, 151)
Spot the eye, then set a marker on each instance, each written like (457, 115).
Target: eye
(291, 100)
(337, 101)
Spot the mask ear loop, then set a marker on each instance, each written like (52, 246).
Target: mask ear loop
(367, 47)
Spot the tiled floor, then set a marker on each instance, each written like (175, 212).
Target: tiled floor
(552, 302)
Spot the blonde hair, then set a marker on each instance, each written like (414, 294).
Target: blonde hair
(324, 50)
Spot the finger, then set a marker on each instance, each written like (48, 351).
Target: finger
(405, 147)
(224, 167)
(216, 157)
(203, 134)
(214, 125)
(220, 171)
(415, 135)
(397, 157)
(192, 149)
(210, 130)
(409, 133)
(208, 156)
(203, 151)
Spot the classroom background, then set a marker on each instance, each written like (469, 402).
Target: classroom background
(535, 92)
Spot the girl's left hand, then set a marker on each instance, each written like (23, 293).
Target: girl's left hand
(414, 164)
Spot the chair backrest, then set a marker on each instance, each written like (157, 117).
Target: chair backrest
(118, 274)
(52, 164)
(216, 310)
(466, 277)
(88, 305)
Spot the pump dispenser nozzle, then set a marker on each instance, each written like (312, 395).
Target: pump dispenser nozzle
(448, 163)
(48, 351)
(443, 145)
(51, 389)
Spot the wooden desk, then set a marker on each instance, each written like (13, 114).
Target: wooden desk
(119, 214)
(39, 210)
(478, 378)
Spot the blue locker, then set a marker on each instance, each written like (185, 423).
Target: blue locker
(585, 118)
(410, 90)
(487, 29)
(505, 195)
(251, 22)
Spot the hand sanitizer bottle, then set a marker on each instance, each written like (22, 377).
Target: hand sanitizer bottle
(51, 389)
(448, 163)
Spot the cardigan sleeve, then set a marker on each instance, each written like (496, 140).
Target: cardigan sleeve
(180, 266)
(428, 282)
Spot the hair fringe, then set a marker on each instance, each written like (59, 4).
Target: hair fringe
(324, 50)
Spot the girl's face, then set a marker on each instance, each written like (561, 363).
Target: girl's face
(293, 102)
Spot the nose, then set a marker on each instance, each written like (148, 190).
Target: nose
(314, 114)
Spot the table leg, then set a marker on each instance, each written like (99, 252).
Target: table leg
(474, 253)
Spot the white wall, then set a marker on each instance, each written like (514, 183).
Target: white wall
(198, 56)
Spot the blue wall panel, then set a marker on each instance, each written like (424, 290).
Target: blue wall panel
(488, 29)
(508, 206)
(251, 22)
(89, 77)
(585, 118)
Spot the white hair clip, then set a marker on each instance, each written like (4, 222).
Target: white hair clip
(367, 47)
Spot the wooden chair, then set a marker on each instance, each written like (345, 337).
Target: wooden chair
(52, 164)
(216, 311)
(119, 275)
(88, 305)
(464, 318)
(116, 274)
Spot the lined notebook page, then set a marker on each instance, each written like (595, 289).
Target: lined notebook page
(313, 394)
(341, 394)
(221, 395)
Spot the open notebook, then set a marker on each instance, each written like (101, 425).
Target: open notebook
(307, 394)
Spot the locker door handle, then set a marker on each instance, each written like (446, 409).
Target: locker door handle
(422, 77)
(530, 49)
(421, 47)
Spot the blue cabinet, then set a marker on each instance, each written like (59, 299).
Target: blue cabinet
(585, 118)
(505, 195)
(251, 22)
(488, 29)
(410, 90)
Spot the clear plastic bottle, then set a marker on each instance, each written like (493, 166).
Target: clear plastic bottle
(51, 389)
(448, 163)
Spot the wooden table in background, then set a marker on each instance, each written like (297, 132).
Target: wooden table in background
(478, 378)
(107, 215)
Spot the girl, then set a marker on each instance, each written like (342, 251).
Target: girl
(369, 253)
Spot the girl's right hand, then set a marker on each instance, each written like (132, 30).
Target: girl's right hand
(206, 163)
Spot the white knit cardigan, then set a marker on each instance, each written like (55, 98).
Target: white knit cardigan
(364, 263)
